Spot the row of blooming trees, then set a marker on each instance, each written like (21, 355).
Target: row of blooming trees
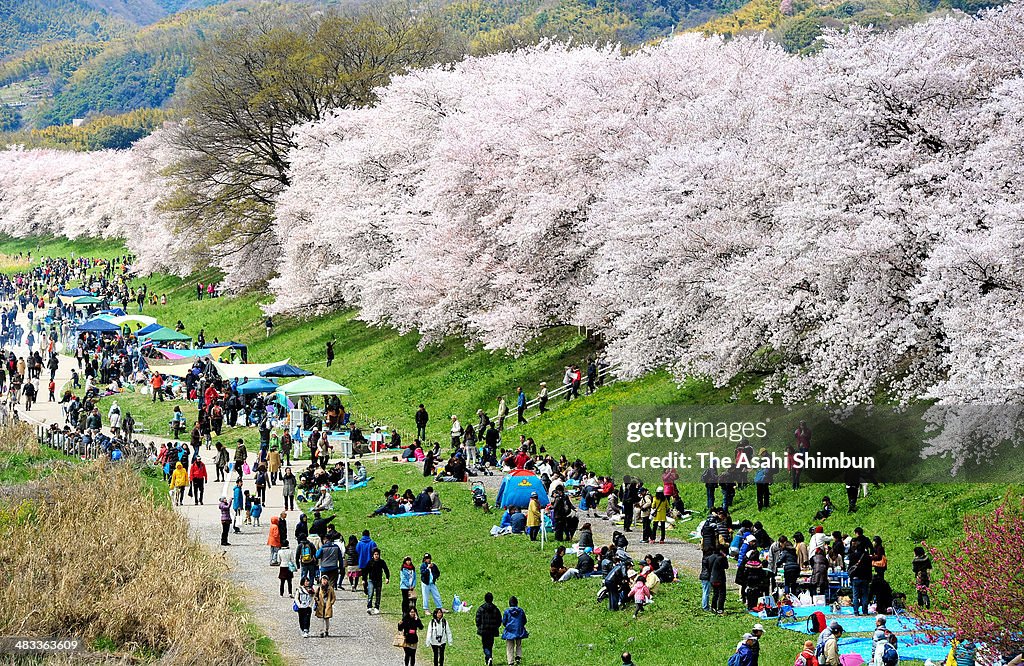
(849, 222)
(110, 193)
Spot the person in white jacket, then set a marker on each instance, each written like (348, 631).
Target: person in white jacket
(439, 635)
(114, 416)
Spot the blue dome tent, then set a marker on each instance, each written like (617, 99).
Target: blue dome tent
(516, 488)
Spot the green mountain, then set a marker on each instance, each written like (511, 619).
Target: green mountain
(67, 59)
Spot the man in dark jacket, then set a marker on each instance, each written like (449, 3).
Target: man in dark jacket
(320, 525)
(302, 529)
(717, 563)
(488, 623)
(421, 423)
(377, 575)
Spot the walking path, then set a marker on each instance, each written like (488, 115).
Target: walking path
(355, 636)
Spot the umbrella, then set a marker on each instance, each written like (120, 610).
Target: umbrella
(285, 370)
(313, 385)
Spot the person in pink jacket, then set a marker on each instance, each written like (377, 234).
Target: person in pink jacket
(641, 594)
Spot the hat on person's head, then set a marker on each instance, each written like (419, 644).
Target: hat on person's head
(534, 495)
(758, 627)
(834, 626)
(880, 618)
(588, 549)
(762, 451)
(751, 538)
(426, 556)
(543, 383)
(808, 645)
(660, 489)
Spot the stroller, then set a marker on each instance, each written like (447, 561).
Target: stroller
(480, 497)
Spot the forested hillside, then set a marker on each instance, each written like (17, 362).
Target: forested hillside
(67, 59)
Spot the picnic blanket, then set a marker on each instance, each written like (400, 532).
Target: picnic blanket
(862, 624)
(911, 648)
(412, 514)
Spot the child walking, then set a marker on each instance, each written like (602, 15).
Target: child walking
(641, 594)
(257, 511)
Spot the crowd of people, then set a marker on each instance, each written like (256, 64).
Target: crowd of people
(770, 572)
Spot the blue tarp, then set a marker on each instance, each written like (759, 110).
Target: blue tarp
(908, 649)
(516, 488)
(853, 624)
(413, 514)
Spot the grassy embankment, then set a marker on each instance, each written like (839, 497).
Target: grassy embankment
(389, 376)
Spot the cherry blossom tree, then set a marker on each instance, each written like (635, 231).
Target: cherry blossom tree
(980, 581)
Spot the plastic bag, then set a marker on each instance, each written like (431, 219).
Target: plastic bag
(246, 469)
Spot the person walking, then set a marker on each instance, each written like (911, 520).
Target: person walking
(274, 541)
(542, 397)
(241, 455)
(514, 621)
(330, 352)
(225, 520)
(377, 575)
(304, 599)
(407, 584)
(221, 463)
(179, 481)
(197, 474)
(488, 624)
(502, 413)
(410, 626)
(429, 574)
(329, 555)
(439, 635)
(325, 599)
(520, 406)
(288, 484)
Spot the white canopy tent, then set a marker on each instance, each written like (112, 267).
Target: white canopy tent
(229, 371)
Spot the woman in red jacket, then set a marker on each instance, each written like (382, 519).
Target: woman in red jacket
(197, 474)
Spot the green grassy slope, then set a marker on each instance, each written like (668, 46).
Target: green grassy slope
(389, 376)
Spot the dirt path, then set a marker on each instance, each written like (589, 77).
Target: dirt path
(359, 637)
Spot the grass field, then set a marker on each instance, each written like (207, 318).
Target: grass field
(389, 376)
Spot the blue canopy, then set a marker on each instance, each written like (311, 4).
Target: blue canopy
(285, 370)
(75, 292)
(257, 386)
(113, 312)
(227, 343)
(99, 326)
(516, 488)
(148, 329)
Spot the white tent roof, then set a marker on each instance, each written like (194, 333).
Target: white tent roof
(229, 371)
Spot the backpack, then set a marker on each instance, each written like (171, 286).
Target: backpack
(734, 660)
(816, 622)
(306, 554)
(889, 655)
